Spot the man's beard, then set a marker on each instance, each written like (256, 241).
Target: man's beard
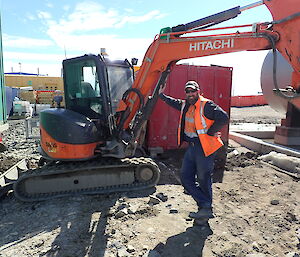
(192, 100)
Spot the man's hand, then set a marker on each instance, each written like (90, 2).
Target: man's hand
(217, 134)
(162, 89)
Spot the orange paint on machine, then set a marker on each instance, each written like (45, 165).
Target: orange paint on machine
(62, 151)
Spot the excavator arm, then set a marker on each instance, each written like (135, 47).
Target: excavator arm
(188, 41)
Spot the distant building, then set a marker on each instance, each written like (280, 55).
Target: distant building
(36, 81)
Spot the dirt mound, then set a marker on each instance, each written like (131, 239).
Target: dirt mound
(241, 160)
(6, 162)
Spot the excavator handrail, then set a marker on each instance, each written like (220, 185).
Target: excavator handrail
(241, 34)
(204, 30)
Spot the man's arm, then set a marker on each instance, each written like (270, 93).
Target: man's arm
(216, 113)
(173, 102)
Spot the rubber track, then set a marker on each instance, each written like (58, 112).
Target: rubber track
(69, 167)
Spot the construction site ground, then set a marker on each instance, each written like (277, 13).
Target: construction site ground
(256, 211)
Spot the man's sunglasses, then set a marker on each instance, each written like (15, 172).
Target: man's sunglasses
(190, 91)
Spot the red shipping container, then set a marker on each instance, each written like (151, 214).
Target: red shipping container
(215, 82)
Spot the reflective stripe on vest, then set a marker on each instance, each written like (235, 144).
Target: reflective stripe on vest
(204, 125)
(202, 131)
(179, 125)
(189, 119)
(189, 125)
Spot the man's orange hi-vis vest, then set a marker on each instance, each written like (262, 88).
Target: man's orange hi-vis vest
(210, 144)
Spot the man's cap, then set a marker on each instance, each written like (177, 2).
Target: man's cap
(192, 84)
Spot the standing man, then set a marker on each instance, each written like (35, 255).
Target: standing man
(57, 99)
(200, 120)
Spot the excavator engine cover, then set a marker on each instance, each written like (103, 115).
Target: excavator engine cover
(67, 135)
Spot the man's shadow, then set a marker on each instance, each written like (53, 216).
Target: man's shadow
(186, 244)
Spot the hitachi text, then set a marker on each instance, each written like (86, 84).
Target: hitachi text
(208, 45)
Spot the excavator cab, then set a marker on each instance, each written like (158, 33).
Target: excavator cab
(75, 138)
(93, 87)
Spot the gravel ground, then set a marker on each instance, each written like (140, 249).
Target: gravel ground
(256, 212)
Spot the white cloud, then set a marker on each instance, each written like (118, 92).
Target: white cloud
(115, 46)
(66, 7)
(24, 42)
(73, 31)
(87, 16)
(49, 5)
(90, 16)
(31, 17)
(137, 19)
(44, 15)
(128, 10)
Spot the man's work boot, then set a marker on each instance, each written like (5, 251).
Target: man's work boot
(202, 213)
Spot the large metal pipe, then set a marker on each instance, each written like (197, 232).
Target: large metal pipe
(283, 74)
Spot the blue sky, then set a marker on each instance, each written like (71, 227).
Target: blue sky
(37, 33)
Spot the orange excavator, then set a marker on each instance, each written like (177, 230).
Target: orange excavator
(92, 142)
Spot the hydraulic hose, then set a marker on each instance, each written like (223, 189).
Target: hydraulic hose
(274, 69)
(126, 113)
(138, 92)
